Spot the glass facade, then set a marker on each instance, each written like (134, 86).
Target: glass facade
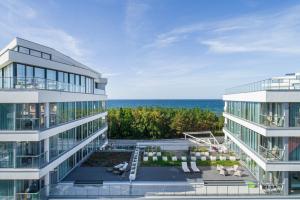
(294, 148)
(66, 140)
(62, 112)
(65, 167)
(31, 116)
(22, 154)
(268, 147)
(21, 189)
(268, 114)
(20, 76)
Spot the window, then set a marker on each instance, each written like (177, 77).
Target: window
(51, 79)
(23, 50)
(20, 80)
(35, 53)
(46, 56)
(39, 75)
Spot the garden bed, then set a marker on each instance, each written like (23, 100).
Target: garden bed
(106, 159)
(225, 163)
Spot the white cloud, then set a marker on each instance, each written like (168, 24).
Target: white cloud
(134, 22)
(277, 32)
(19, 19)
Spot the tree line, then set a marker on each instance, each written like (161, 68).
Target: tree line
(160, 123)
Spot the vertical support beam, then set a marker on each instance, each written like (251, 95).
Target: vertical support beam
(47, 149)
(47, 114)
(47, 184)
(285, 140)
(285, 181)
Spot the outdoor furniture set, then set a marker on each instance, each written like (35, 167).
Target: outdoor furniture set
(234, 171)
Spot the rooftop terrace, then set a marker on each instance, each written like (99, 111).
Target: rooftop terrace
(289, 82)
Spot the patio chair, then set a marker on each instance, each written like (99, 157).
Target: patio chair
(193, 158)
(145, 159)
(165, 158)
(203, 158)
(238, 173)
(222, 158)
(206, 153)
(154, 158)
(194, 167)
(220, 167)
(235, 167)
(184, 167)
(223, 172)
(213, 158)
(174, 158)
(198, 154)
(158, 153)
(183, 158)
(232, 158)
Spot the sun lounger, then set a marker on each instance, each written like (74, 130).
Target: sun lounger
(123, 168)
(158, 153)
(145, 159)
(165, 158)
(183, 158)
(174, 158)
(193, 158)
(185, 167)
(194, 167)
(118, 166)
(198, 154)
(222, 158)
(203, 158)
(154, 158)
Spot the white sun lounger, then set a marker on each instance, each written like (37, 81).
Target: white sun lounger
(123, 168)
(185, 167)
(194, 167)
(119, 166)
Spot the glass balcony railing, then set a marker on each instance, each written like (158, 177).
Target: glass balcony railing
(31, 161)
(30, 123)
(274, 154)
(42, 84)
(268, 84)
(271, 121)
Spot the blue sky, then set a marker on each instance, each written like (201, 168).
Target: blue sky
(165, 48)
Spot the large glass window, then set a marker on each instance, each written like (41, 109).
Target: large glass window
(51, 79)
(20, 80)
(294, 148)
(30, 116)
(23, 50)
(6, 155)
(6, 116)
(29, 77)
(39, 74)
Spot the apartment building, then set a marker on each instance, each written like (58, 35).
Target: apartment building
(52, 116)
(262, 125)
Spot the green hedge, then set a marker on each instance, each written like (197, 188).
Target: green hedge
(158, 123)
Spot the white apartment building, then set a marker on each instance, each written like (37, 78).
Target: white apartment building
(52, 116)
(262, 125)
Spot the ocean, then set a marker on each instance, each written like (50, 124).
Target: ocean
(214, 105)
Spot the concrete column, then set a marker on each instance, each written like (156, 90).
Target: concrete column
(47, 184)
(285, 181)
(286, 114)
(46, 149)
(47, 114)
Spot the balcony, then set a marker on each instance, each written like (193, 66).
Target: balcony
(31, 161)
(269, 155)
(22, 83)
(282, 84)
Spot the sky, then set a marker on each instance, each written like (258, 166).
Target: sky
(164, 49)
